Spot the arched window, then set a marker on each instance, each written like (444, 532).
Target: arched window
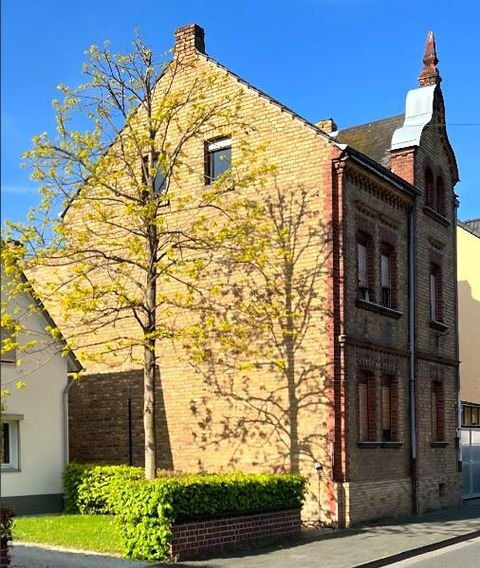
(430, 189)
(440, 191)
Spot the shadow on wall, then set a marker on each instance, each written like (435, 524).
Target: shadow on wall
(469, 339)
(106, 420)
(261, 342)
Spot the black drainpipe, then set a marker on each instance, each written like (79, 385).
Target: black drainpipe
(130, 442)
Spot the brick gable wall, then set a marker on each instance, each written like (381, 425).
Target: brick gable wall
(358, 482)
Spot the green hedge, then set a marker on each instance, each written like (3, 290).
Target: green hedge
(91, 489)
(146, 510)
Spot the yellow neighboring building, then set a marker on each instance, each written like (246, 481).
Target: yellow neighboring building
(468, 277)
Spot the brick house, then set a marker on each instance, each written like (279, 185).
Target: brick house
(384, 431)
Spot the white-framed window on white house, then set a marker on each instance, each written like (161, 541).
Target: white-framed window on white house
(10, 442)
(7, 353)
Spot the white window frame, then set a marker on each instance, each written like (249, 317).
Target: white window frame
(212, 147)
(13, 421)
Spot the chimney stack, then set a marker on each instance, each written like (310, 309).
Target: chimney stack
(189, 40)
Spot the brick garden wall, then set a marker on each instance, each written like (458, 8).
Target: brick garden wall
(190, 539)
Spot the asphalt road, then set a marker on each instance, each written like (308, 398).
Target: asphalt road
(35, 557)
(463, 554)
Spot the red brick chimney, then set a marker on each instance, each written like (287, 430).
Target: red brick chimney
(190, 39)
(430, 74)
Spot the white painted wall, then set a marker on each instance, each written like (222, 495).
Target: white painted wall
(41, 432)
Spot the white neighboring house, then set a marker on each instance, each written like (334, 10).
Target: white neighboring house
(34, 419)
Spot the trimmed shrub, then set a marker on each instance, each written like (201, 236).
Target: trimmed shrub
(146, 510)
(91, 489)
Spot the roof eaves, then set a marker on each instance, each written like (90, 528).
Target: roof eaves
(381, 171)
(76, 365)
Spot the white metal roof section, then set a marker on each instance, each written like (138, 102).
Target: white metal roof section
(418, 113)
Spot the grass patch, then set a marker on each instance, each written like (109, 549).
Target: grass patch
(96, 533)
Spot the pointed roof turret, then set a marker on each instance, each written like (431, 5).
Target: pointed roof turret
(429, 74)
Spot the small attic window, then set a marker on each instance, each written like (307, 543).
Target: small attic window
(159, 181)
(218, 158)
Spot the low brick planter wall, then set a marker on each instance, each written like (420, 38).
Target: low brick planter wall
(202, 537)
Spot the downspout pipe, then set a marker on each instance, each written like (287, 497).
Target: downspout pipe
(65, 420)
(412, 355)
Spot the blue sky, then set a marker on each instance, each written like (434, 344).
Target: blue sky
(353, 60)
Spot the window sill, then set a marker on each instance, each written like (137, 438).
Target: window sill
(378, 308)
(439, 444)
(438, 325)
(9, 469)
(392, 444)
(368, 444)
(436, 216)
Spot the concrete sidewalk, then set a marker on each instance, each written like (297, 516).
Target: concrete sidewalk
(368, 547)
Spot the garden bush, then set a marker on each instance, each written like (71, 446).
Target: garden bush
(90, 489)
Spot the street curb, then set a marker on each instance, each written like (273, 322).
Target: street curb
(417, 551)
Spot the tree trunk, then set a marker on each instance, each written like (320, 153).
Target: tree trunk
(149, 412)
(149, 370)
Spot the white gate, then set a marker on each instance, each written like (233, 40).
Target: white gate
(470, 441)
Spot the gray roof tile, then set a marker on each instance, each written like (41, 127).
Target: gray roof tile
(373, 139)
